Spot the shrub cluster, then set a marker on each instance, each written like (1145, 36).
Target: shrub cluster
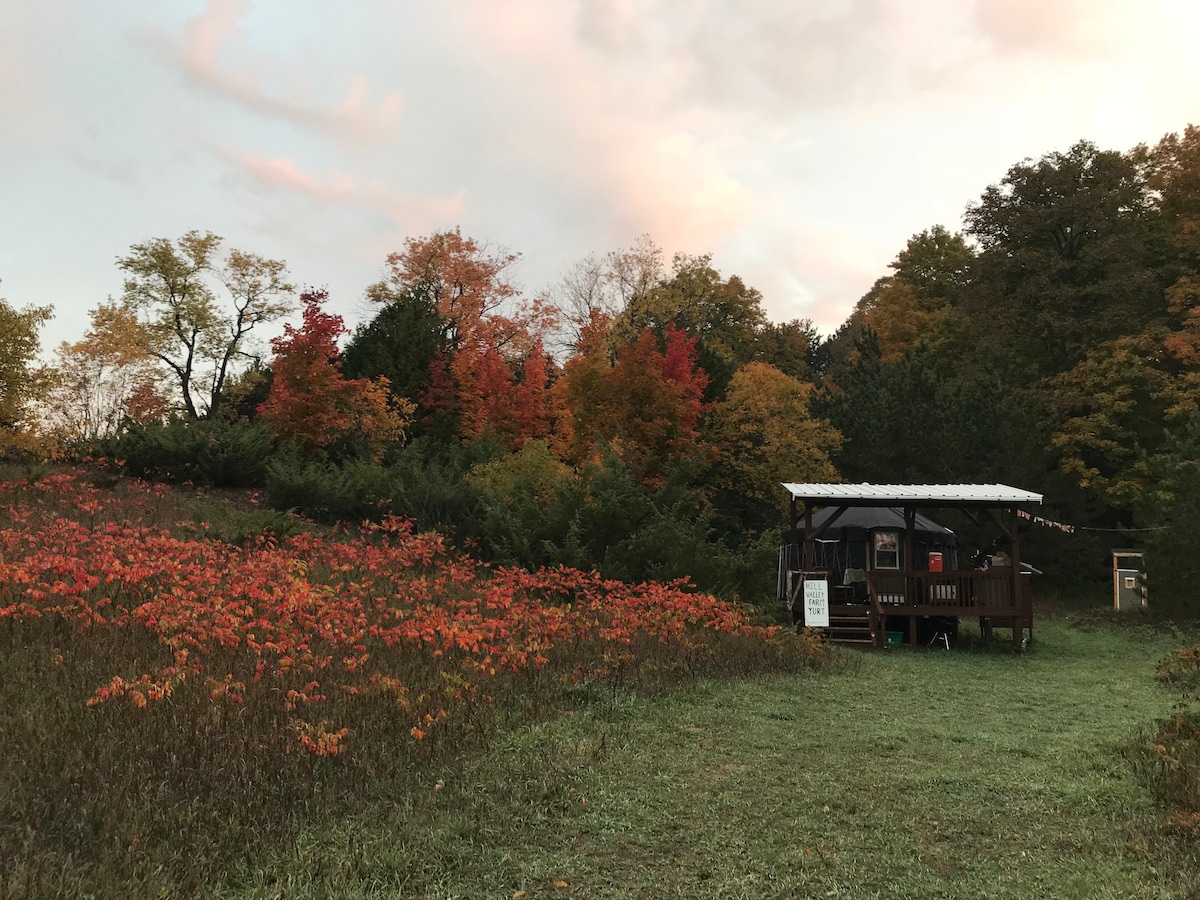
(523, 508)
(217, 452)
(1169, 759)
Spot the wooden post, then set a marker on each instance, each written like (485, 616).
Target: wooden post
(1018, 601)
(910, 581)
(794, 540)
(810, 544)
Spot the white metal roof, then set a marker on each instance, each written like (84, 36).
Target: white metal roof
(905, 494)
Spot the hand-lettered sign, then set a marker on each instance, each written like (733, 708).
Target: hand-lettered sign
(816, 603)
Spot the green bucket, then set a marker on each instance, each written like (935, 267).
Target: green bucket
(895, 638)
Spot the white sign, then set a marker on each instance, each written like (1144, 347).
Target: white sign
(816, 603)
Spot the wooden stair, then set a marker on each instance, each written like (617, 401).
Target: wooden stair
(850, 623)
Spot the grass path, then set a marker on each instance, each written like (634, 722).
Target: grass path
(917, 774)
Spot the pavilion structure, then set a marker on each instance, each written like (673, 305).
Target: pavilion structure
(904, 591)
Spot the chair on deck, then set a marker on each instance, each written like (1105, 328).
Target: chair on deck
(855, 582)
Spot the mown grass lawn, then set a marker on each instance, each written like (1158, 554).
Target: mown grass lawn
(971, 773)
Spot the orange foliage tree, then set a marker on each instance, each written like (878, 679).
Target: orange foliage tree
(646, 403)
(312, 403)
(494, 375)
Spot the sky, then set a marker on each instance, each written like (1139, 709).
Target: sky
(799, 143)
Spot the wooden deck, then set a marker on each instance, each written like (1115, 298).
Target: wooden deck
(898, 600)
(995, 595)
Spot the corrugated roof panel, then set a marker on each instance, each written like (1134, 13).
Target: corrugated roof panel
(891, 494)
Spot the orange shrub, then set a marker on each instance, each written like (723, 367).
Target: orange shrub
(330, 638)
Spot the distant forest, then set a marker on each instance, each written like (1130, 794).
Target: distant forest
(638, 418)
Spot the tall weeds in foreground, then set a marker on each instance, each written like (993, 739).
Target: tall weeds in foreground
(170, 704)
(1169, 756)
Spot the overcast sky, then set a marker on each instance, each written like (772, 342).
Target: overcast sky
(800, 143)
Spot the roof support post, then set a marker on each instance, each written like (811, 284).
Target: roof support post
(794, 540)
(911, 583)
(1018, 598)
(810, 544)
(910, 534)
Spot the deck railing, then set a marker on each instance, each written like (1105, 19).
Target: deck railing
(986, 593)
(969, 592)
(897, 594)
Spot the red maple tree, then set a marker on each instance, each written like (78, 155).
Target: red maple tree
(312, 403)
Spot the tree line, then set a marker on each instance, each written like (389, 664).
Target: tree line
(638, 417)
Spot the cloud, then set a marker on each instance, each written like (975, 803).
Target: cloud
(773, 58)
(411, 213)
(202, 57)
(281, 174)
(856, 57)
(617, 153)
(1073, 27)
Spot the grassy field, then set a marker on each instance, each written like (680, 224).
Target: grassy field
(932, 774)
(971, 773)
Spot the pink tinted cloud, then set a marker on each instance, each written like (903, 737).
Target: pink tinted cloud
(608, 134)
(413, 213)
(406, 211)
(1074, 27)
(283, 173)
(673, 186)
(200, 54)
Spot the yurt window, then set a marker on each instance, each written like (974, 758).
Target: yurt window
(887, 550)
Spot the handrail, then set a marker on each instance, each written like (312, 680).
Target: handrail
(994, 595)
(951, 591)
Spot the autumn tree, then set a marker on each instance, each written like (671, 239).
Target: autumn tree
(892, 311)
(400, 343)
(23, 381)
(465, 282)
(527, 500)
(1175, 180)
(763, 435)
(723, 316)
(1108, 410)
(1125, 394)
(606, 285)
(916, 303)
(246, 391)
(1068, 306)
(1066, 257)
(490, 354)
(937, 264)
(107, 379)
(646, 403)
(1169, 509)
(313, 404)
(913, 420)
(792, 347)
(174, 288)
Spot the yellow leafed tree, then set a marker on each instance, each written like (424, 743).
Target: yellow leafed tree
(23, 382)
(107, 379)
(765, 435)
